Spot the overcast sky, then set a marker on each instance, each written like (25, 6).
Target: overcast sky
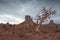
(14, 11)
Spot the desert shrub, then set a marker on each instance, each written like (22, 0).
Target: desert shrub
(4, 27)
(57, 31)
(58, 38)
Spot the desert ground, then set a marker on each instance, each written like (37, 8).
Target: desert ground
(20, 32)
(26, 31)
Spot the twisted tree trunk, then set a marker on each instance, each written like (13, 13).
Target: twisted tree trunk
(38, 27)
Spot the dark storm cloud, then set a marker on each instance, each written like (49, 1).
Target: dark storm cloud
(13, 5)
(20, 8)
(54, 1)
(49, 0)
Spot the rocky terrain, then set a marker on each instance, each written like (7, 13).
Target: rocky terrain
(26, 31)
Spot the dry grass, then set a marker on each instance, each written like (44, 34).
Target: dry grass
(20, 32)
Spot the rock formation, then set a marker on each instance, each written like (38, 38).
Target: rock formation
(51, 22)
(28, 24)
(28, 19)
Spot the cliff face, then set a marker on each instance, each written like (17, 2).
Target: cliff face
(28, 20)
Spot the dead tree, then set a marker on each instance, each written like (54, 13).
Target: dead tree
(46, 14)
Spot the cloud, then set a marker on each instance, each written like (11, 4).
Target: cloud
(56, 19)
(11, 19)
(20, 8)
